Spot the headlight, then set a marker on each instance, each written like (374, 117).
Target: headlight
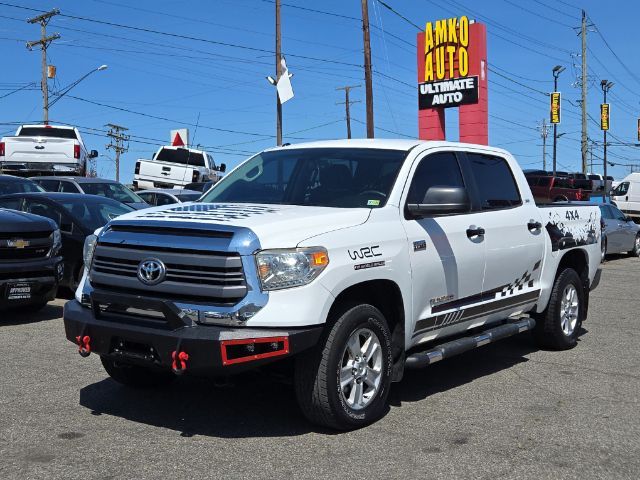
(293, 267)
(57, 242)
(89, 248)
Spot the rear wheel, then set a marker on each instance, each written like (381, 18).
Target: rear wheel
(557, 327)
(635, 252)
(344, 382)
(134, 375)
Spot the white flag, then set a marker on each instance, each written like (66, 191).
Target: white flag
(285, 90)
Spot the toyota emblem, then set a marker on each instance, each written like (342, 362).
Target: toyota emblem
(151, 271)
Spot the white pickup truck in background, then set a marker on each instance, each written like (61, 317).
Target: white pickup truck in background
(174, 167)
(45, 148)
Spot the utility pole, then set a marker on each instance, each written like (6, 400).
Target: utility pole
(544, 131)
(44, 42)
(584, 140)
(117, 143)
(278, 73)
(368, 80)
(347, 103)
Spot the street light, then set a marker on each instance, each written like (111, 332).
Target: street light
(66, 90)
(606, 86)
(557, 70)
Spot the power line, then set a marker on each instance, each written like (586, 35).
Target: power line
(532, 12)
(398, 14)
(627, 69)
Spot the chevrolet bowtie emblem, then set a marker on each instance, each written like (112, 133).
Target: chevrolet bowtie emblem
(18, 243)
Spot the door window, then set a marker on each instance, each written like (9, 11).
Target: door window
(605, 211)
(162, 199)
(148, 197)
(43, 209)
(438, 169)
(496, 186)
(68, 187)
(49, 185)
(621, 189)
(617, 214)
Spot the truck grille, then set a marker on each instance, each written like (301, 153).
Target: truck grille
(195, 276)
(25, 246)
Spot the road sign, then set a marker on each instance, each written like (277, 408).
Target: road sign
(180, 138)
(555, 107)
(604, 116)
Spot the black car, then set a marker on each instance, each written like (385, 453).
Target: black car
(77, 216)
(30, 261)
(92, 186)
(11, 184)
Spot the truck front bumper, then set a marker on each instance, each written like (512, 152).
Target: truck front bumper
(205, 349)
(29, 282)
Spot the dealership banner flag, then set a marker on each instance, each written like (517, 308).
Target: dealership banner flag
(604, 116)
(555, 107)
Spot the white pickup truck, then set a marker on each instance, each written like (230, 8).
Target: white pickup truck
(174, 167)
(356, 258)
(45, 149)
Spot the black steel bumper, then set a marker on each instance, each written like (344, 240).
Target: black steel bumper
(153, 344)
(39, 277)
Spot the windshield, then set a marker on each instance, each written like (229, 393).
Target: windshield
(47, 132)
(327, 177)
(19, 186)
(182, 156)
(115, 191)
(621, 189)
(94, 214)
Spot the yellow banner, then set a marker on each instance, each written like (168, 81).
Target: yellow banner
(555, 107)
(604, 116)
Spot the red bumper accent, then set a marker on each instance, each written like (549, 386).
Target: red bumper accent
(279, 350)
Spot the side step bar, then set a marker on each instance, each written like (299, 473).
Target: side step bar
(461, 345)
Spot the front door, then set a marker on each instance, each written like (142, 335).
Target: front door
(447, 258)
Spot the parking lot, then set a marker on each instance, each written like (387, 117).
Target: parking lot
(506, 410)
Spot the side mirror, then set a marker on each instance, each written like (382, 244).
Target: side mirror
(441, 201)
(93, 154)
(222, 168)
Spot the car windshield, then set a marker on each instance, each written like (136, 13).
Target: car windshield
(94, 213)
(621, 189)
(115, 191)
(47, 132)
(328, 177)
(188, 197)
(19, 186)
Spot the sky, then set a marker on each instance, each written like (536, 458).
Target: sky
(214, 82)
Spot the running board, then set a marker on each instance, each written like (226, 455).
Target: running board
(461, 345)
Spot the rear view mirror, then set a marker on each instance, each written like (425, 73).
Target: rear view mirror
(222, 168)
(441, 201)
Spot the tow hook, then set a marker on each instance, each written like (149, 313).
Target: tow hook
(84, 345)
(179, 364)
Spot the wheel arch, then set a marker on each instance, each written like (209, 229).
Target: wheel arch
(578, 260)
(386, 296)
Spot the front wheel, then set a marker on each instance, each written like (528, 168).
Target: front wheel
(557, 327)
(134, 375)
(344, 382)
(635, 252)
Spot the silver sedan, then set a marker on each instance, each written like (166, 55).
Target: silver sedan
(621, 234)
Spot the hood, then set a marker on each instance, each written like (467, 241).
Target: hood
(277, 226)
(13, 221)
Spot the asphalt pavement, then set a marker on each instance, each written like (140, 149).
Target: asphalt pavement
(507, 410)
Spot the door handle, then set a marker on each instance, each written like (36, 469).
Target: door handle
(534, 225)
(38, 147)
(475, 231)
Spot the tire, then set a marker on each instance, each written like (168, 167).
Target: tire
(554, 329)
(334, 388)
(603, 249)
(635, 252)
(134, 375)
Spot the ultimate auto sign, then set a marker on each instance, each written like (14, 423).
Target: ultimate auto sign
(446, 47)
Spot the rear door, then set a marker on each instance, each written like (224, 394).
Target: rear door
(514, 236)
(626, 228)
(447, 263)
(612, 231)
